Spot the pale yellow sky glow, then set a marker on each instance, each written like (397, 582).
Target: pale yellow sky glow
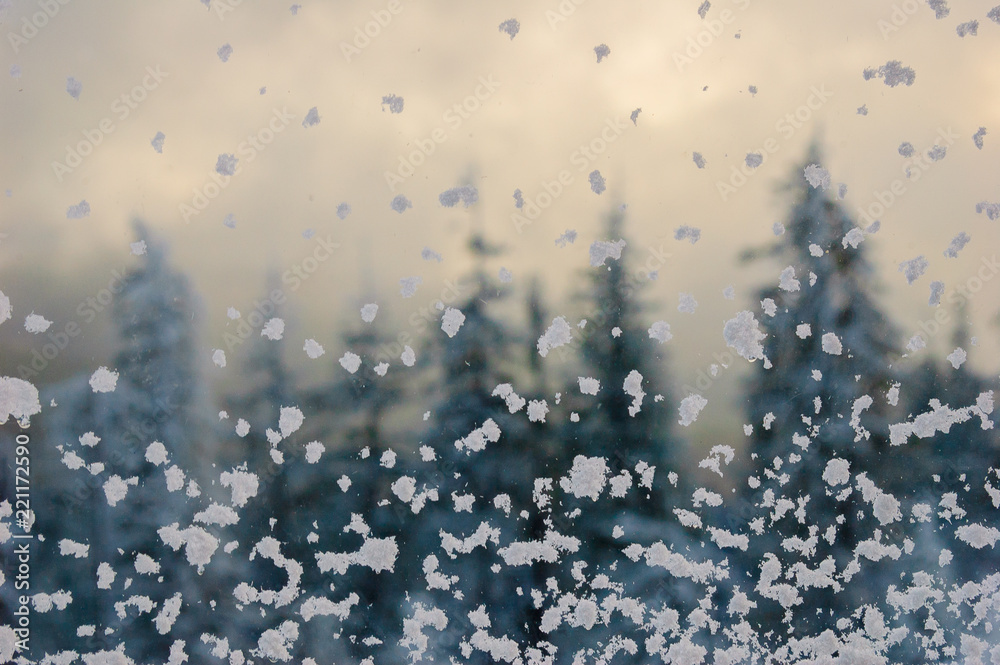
(528, 108)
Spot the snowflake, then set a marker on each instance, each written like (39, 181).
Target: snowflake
(687, 303)
(313, 349)
(226, 164)
(73, 87)
(597, 184)
(690, 407)
(660, 331)
(743, 334)
(558, 334)
(589, 385)
(689, 233)
(537, 410)
(465, 195)
(103, 380)
(78, 211)
(36, 323)
(601, 251)
(312, 118)
(394, 103)
(587, 477)
(350, 361)
(978, 137)
(892, 73)
(957, 244)
(831, 344)
(451, 321)
(913, 268)
(817, 176)
(787, 281)
(511, 27)
(273, 329)
(400, 203)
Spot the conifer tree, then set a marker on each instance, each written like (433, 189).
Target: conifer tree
(157, 399)
(962, 461)
(615, 344)
(354, 409)
(819, 394)
(634, 433)
(267, 384)
(485, 466)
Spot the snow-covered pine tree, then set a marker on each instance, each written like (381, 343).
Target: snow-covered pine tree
(819, 395)
(266, 384)
(160, 377)
(353, 410)
(157, 398)
(964, 461)
(616, 343)
(297, 494)
(542, 437)
(482, 485)
(69, 506)
(617, 349)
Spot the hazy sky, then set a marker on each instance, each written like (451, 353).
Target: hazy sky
(501, 113)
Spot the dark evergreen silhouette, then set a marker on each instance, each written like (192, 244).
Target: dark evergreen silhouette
(157, 399)
(960, 460)
(804, 418)
(354, 410)
(472, 363)
(588, 561)
(615, 343)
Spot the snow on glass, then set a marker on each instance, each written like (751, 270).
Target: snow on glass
(720, 619)
(535, 513)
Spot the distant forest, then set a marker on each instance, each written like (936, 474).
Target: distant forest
(531, 516)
